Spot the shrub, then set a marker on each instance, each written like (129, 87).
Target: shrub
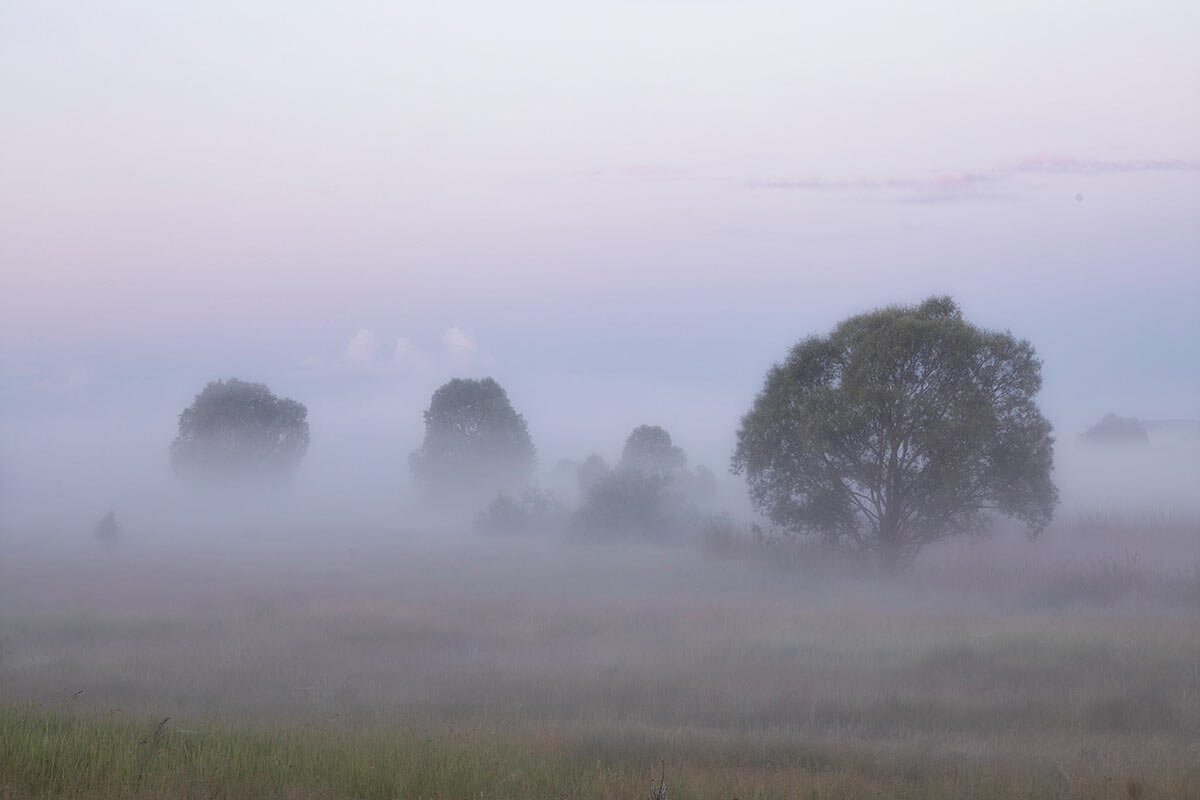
(1117, 430)
(628, 503)
(534, 511)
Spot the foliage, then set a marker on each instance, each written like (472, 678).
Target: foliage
(107, 529)
(720, 534)
(649, 448)
(628, 503)
(1117, 430)
(699, 486)
(234, 429)
(650, 495)
(502, 515)
(474, 441)
(566, 470)
(533, 511)
(904, 426)
(592, 471)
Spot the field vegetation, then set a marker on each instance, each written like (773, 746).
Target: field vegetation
(748, 666)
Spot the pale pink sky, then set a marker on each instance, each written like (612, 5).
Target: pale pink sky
(652, 199)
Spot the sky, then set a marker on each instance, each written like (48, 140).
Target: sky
(624, 212)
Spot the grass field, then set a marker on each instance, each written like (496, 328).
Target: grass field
(387, 667)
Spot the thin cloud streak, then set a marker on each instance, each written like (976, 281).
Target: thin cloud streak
(941, 187)
(975, 185)
(1066, 165)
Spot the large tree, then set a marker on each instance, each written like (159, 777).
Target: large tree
(235, 429)
(902, 427)
(475, 442)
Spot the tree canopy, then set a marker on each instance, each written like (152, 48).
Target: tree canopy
(628, 503)
(475, 442)
(649, 448)
(1117, 430)
(236, 429)
(904, 426)
(108, 530)
(651, 495)
(593, 470)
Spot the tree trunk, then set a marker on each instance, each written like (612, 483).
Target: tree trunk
(889, 558)
(889, 542)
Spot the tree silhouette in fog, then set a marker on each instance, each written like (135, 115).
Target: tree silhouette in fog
(629, 503)
(649, 448)
(649, 496)
(1117, 430)
(903, 426)
(108, 530)
(593, 470)
(475, 442)
(236, 429)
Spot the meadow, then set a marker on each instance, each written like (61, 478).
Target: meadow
(391, 664)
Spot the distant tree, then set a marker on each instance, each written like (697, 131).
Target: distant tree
(475, 443)
(650, 495)
(566, 469)
(504, 515)
(563, 480)
(904, 426)
(534, 511)
(628, 503)
(699, 486)
(1117, 430)
(107, 530)
(235, 429)
(649, 449)
(593, 470)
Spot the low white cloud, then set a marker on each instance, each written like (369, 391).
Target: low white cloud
(369, 352)
(458, 342)
(363, 347)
